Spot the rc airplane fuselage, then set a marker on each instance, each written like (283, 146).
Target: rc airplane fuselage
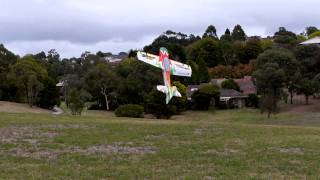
(169, 67)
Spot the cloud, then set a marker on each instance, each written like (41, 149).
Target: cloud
(70, 49)
(74, 25)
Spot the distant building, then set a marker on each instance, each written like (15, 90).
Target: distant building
(191, 89)
(111, 58)
(233, 98)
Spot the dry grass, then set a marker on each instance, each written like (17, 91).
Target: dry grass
(11, 107)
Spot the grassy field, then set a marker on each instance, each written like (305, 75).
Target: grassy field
(231, 144)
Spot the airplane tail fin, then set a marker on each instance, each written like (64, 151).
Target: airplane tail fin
(174, 92)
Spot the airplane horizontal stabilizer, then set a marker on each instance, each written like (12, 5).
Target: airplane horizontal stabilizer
(162, 89)
(175, 92)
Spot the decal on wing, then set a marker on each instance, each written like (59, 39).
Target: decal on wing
(180, 69)
(150, 59)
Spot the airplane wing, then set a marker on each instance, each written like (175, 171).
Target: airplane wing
(179, 69)
(176, 68)
(150, 59)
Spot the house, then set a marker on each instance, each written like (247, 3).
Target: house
(228, 97)
(232, 98)
(111, 58)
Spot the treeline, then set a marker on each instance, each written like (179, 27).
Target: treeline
(90, 78)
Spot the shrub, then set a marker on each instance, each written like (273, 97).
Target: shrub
(77, 99)
(230, 84)
(315, 34)
(180, 102)
(207, 95)
(253, 101)
(155, 105)
(129, 110)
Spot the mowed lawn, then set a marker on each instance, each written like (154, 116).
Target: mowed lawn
(231, 144)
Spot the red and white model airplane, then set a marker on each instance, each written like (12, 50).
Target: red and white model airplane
(169, 67)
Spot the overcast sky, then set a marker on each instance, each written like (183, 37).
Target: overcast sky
(75, 26)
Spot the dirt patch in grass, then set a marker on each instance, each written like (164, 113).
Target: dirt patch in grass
(224, 152)
(36, 152)
(27, 142)
(12, 107)
(292, 150)
(34, 134)
(24, 134)
(115, 149)
(66, 126)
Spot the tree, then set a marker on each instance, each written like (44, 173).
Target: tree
(284, 38)
(227, 53)
(49, 96)
(238, 71)
(246, 51)
(28, 75)
(53, 64)
(203, 73)
(206, 49)
(306, 88)
(308, 57)
(293, 85)
(238, 34)
(132, 53)
(137, 80)
(210, 32)
(270, 80)
(310, 30)
(266, 44)
(286, 62)
(102, 80)
(174, 42)
(227, 36)
(7, 59)
(252, 50)
(230, 84)
(316, 84)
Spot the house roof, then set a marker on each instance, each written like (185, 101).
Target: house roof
(231, 93)
(246, 84)
(315, 40)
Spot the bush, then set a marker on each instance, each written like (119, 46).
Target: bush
(129, 110)
(77, 99)
(155, 104)
(207, 95)
(315, 34)
(230, 84)
(180, 102)
(253, 101)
